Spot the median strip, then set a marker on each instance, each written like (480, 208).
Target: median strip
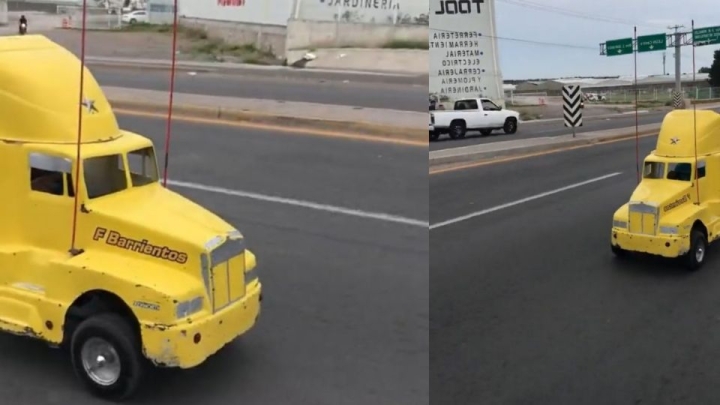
(378, 123)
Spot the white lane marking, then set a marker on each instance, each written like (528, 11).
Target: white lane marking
(522, 201)
(300, 203)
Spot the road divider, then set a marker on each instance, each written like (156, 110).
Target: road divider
(487, 152)
(378, 123)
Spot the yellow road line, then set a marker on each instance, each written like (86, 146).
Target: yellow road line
(268, 127)
(529, 155)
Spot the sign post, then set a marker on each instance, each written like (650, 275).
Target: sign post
(572, 106)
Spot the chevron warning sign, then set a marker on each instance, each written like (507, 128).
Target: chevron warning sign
(572, 106)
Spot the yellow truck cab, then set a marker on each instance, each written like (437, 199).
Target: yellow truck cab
(674, 211)
(153, 278)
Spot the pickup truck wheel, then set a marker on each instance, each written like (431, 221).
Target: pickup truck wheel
(106, 357)
(457, 129)
(510, 126)
(695, 258)
(434, 135)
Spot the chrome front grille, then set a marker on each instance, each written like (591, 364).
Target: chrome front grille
(643, 218)
(223, 273)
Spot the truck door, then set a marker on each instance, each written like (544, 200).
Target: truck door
(50, 202)
(493, 114)
(45, 210)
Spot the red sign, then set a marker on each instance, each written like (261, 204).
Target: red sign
(230, 3)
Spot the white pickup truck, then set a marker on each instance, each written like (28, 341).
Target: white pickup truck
(473, 114)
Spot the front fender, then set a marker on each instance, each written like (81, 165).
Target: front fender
(147, 288)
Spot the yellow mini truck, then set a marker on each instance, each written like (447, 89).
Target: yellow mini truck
(153, 278)
(675, 210)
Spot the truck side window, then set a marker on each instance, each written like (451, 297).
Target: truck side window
(48, 174)
(701, 169)
(489, 106)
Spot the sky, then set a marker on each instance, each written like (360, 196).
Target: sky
(571, 31)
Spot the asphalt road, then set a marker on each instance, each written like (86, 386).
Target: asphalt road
(529, 306)
(313, 89)
(345, 316)
(531, 129)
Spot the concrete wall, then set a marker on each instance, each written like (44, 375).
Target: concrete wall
(304, 34)
(267, 37)
(268, 12)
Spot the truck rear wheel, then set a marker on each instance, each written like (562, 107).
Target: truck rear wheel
(457, 129)
(434, 135)
(695, 258)
(106, 357)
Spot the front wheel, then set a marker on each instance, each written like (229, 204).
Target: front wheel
(106, 357)
(510, 126)
(695, 258)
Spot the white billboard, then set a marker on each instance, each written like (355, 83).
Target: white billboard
(266, 12)
(463, 50)
(363, 11)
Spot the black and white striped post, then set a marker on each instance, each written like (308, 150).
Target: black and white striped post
(572, 106)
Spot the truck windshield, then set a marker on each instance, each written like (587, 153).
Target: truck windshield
(679, 171)
(654, 170)
(106, 175)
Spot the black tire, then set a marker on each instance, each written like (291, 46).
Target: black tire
(434, 135)
(510, 126)
(618, 251)
(457, 129)
(695, 258)
(114, 330)
(133, 21)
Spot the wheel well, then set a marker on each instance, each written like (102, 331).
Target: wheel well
(511, 119)
(701, 227)
(95, 302)
(460, 121)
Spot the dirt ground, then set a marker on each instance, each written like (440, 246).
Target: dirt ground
(549, 111)
(191, 45)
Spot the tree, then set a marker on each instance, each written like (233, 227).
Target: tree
(704, 70)
(715, 70)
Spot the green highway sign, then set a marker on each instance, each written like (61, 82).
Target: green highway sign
(649, 43)
(619, 47)
(706, 36)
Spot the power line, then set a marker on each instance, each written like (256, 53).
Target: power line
(529, 41)
(576, 14)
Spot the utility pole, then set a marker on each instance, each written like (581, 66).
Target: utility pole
(664, 71)
(678, 44)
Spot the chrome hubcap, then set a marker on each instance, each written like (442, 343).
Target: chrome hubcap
(699, 254)
(100, 361)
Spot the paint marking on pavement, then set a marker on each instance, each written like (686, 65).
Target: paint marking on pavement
(522, 201)
(269, 127)
(300, 203)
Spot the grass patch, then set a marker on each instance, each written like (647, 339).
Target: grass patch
(200, 45)
(220, 50)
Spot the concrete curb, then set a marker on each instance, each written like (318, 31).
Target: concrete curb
(487, 156)
(359, 128)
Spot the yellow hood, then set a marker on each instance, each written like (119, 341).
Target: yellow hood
(666, 194)
(158, 216)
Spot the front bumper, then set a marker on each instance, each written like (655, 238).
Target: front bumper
(179, 346)
(670, 246)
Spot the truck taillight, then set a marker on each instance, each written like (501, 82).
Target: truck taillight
(432, 118)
